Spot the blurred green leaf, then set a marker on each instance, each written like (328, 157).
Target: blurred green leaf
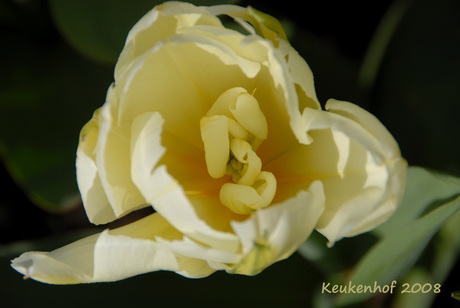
(379, 43)
(98, 29)
(420, 299)
(446, 246)
(47, 93)
(425, 190)
(399, 249)
(414, 88)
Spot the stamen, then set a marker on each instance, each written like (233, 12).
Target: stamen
(232, 130)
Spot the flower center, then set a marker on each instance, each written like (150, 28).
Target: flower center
(232, 131)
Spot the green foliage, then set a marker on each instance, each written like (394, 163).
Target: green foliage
(415, 85)
(403, 242)
(47, 92)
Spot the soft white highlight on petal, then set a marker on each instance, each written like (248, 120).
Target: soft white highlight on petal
(344, 145)
(146, 127)
(70, 264)
(275, 232)
(193, 249)
(370, 166)
(157, 25)
(161, 190)
(92, 193)
(98, 209)
(318, 119)
(111, 255)
(367, 120)
(113, 163)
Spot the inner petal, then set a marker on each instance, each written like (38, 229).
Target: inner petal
(179, 79)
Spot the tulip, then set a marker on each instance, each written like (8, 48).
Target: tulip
(221, 133)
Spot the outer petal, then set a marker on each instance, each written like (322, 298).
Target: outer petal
(158, 24)
(368, 122)
(111, 255)
(301, 75)
(396, 166)
(274, 233)
(215, 258)
(370, 176)
(89, 183)
(113, 162)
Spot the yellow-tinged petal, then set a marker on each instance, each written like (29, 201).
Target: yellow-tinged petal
(301, 75)
(274, 233)
(70, 264)
(111, 255)
(165, 194)
(193, 249)
(370, 174)
(157, 25)
(160, 81)
(92, 193)
(113, 150)
(367, 120)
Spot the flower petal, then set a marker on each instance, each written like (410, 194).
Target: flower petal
(161, 190)
(158, 24)
(301, 75)
(216, 258)
(111, 255)
(187, 73)
(275, 232)
(97, 206)
(370, 173)
(367, 121)
(113, 150)
(294, 69)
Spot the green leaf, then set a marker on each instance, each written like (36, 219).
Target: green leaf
(47, 93)
(98, 29)
(424, 191)
(379, 44)
(412, 84)
(398, 250)
(446, 246)
(419, 299)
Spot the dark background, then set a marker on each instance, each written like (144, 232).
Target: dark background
(415, 94)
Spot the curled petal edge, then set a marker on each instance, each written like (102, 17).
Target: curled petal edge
(111, 255)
